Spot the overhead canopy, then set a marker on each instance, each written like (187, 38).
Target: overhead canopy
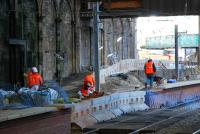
(126, 4)
(128, 8)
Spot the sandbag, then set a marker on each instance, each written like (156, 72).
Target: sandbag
(37, 98)
(26, 96)
(55, 86)
(4, 95)
(45, 97)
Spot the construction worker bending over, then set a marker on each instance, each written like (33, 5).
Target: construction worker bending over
(149, 70)
(88, 85)
(34, 79)
(88, 88)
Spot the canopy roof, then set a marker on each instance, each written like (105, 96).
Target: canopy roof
(135, 8)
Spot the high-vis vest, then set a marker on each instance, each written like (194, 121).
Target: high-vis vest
(34, 79)
(149, 68)
(84, 92)
(87, 79)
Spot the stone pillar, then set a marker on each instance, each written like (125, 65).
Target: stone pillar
(133, 54)
(76, 37)
(198, 49)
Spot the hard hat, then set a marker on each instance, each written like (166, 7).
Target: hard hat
(34, 70)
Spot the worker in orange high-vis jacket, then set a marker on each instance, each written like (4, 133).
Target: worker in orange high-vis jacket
(88, 84)
(34, 79)
(149, 69)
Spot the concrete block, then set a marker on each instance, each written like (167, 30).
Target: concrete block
(124, 95)
(114, 96)
(137, 93)
(126, 108)
(82, 105)
(116, 111)
(139, 107)
(85, 121)
(103, 115)
(99, 101)
(107, 99)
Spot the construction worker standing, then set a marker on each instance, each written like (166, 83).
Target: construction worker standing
(149, 69)
(34, 79)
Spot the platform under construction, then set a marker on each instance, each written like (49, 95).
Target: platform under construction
(49, 47)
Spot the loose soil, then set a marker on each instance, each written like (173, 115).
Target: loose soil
(115, 83)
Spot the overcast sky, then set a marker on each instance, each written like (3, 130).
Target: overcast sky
(161, 26)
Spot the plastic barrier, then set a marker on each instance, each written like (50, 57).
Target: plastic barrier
(171, 97)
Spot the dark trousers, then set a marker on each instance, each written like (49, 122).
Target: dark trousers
(149, 79)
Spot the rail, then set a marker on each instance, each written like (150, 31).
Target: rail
(198, 99)
(197, 132)
(153, 112)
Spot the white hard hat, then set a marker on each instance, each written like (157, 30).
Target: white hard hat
(34, 70)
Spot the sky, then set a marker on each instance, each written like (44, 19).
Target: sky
(161, 26)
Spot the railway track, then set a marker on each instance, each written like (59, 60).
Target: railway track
(159, 121)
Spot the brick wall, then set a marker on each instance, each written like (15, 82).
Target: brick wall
(47, 123)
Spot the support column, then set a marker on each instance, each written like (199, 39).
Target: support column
(176, 52)
(134, 39)
(198, 49)
(96, 44)
(12, 34)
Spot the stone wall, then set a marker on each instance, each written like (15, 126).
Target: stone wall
(59, 41)
(4, 49)
(27, 29)
(119, 39)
